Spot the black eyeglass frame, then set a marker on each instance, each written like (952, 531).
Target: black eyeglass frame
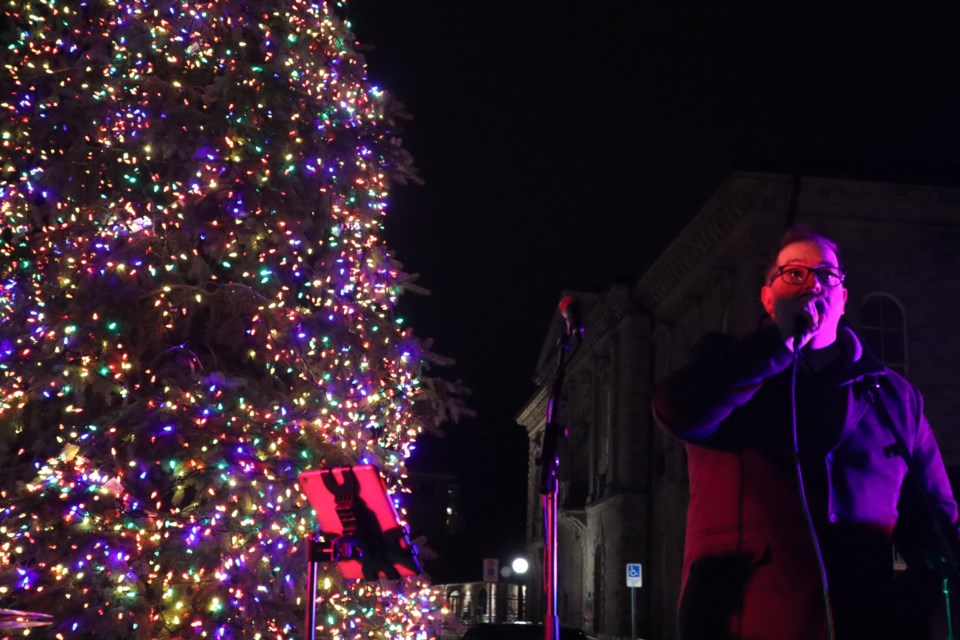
(822, 274)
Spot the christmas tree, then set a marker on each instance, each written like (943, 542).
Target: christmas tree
(196, 304)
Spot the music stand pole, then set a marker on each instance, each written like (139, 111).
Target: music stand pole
(313, 567)
(315, 555)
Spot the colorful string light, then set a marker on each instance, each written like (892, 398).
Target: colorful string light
(196, 304)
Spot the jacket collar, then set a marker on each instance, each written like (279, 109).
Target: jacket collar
(858, 361)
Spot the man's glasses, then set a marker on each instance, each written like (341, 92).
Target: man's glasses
(796, 275)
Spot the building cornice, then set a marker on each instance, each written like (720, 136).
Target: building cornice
(876, 201)
(740, 196)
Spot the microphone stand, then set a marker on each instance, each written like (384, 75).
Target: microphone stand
(549, 464)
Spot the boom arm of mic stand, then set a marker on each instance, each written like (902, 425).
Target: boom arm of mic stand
(553, 432)
(549, 463)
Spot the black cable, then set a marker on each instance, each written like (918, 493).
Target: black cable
(831, 633)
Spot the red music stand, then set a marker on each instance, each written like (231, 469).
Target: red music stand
(359, 530)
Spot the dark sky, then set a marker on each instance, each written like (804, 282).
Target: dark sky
(564, 144)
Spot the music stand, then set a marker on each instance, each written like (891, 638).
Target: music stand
(359, 532)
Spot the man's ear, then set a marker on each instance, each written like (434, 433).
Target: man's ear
(766, 297)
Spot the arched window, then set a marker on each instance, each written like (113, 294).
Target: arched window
(883, 329)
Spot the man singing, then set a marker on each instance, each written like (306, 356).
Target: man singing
(799, 445)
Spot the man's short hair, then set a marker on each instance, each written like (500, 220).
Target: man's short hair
(801, 233)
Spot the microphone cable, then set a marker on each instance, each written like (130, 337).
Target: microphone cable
(831, 632)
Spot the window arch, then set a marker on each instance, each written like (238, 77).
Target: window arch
(884, 330)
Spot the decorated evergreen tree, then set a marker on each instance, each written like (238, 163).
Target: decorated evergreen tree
(196, 304)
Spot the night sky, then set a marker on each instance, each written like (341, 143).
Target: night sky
(564, 144)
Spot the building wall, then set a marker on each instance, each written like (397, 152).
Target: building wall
(625, 482)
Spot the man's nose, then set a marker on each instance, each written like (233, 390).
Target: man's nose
(812, 283)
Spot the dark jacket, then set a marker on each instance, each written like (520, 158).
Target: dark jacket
(750, 564)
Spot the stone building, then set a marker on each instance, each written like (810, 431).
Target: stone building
(624, 483)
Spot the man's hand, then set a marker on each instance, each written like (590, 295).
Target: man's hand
(798, 319)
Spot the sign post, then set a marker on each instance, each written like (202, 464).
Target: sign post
(491, 574)
(634, 582)
(491, 570)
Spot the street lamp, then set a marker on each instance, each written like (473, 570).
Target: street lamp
(520, 566)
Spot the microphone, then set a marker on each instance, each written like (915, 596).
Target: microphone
(571, 310)
(806, 323)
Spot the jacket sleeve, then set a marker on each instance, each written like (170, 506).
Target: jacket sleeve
(926, 530)
(928, 461)
(723, 373)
